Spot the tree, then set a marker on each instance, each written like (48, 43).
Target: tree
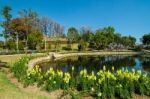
(34, 39)
(109, 33)
(7, 17)
(86, 34)
(11, 44)
(50, 29)
(100, 40)
(72, 35)
(58, 30)
(31, 22)
(1, 44)
(132, 41)
(57, 44)
(125, 41)
(117, 41)
(117, 38)
(82, 45)
(45, 24)
(17, 30)
(128, 41)
(146, 39)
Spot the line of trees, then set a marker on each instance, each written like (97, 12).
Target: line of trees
(29, 30)
(99, 39)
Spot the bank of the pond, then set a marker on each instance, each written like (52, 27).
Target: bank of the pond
(36, 76)
(57, 56)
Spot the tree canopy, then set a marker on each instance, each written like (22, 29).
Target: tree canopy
(72, 34)
(146, 39)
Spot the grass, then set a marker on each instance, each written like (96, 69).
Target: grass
(9, 90)
(12, 58)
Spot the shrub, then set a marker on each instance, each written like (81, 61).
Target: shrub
(66, 48)
(35, 75)
(53, 80)
(138, 48)
(82, 45)
(86, 81)
(20, 68)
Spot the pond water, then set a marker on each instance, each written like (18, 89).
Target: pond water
(95, 63)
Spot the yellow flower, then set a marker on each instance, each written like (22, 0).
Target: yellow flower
(93, 76)
(28, 73)
(50, 72)
(50, 78)
(66, 78)
(100, 73)
(72, 68)
(104, 68)
(145, 75)
(83, 73)
(54, 82)
(139, 72)
(60, 73)
(113, 68)
(100, 80)
(133, 71)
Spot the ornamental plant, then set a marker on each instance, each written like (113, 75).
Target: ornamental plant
(66, 80)
(35, 75)
(86, 81)
(51, 83)
(20, 68)
(106, 83)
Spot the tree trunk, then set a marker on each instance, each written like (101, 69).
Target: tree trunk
(45, 39)
(17, 43)
(26, 48)
(5, 42)
(45, 43)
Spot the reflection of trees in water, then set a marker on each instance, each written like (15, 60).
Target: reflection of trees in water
(119, 62)
(109, 61)
(144, 58)
(96, 63)
(146, 64)
(91, 63)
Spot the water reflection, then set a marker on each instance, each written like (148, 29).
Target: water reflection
(146, 63)
(96, 63)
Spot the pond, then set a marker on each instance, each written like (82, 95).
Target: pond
(95, 63)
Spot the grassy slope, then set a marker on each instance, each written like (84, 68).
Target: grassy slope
(13, 58)
(11, 91)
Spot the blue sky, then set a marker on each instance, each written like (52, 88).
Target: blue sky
(128, 17)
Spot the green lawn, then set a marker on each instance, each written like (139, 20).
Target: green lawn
(9, 90)
(13, 58)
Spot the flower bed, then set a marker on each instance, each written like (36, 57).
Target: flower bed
(103, 84)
